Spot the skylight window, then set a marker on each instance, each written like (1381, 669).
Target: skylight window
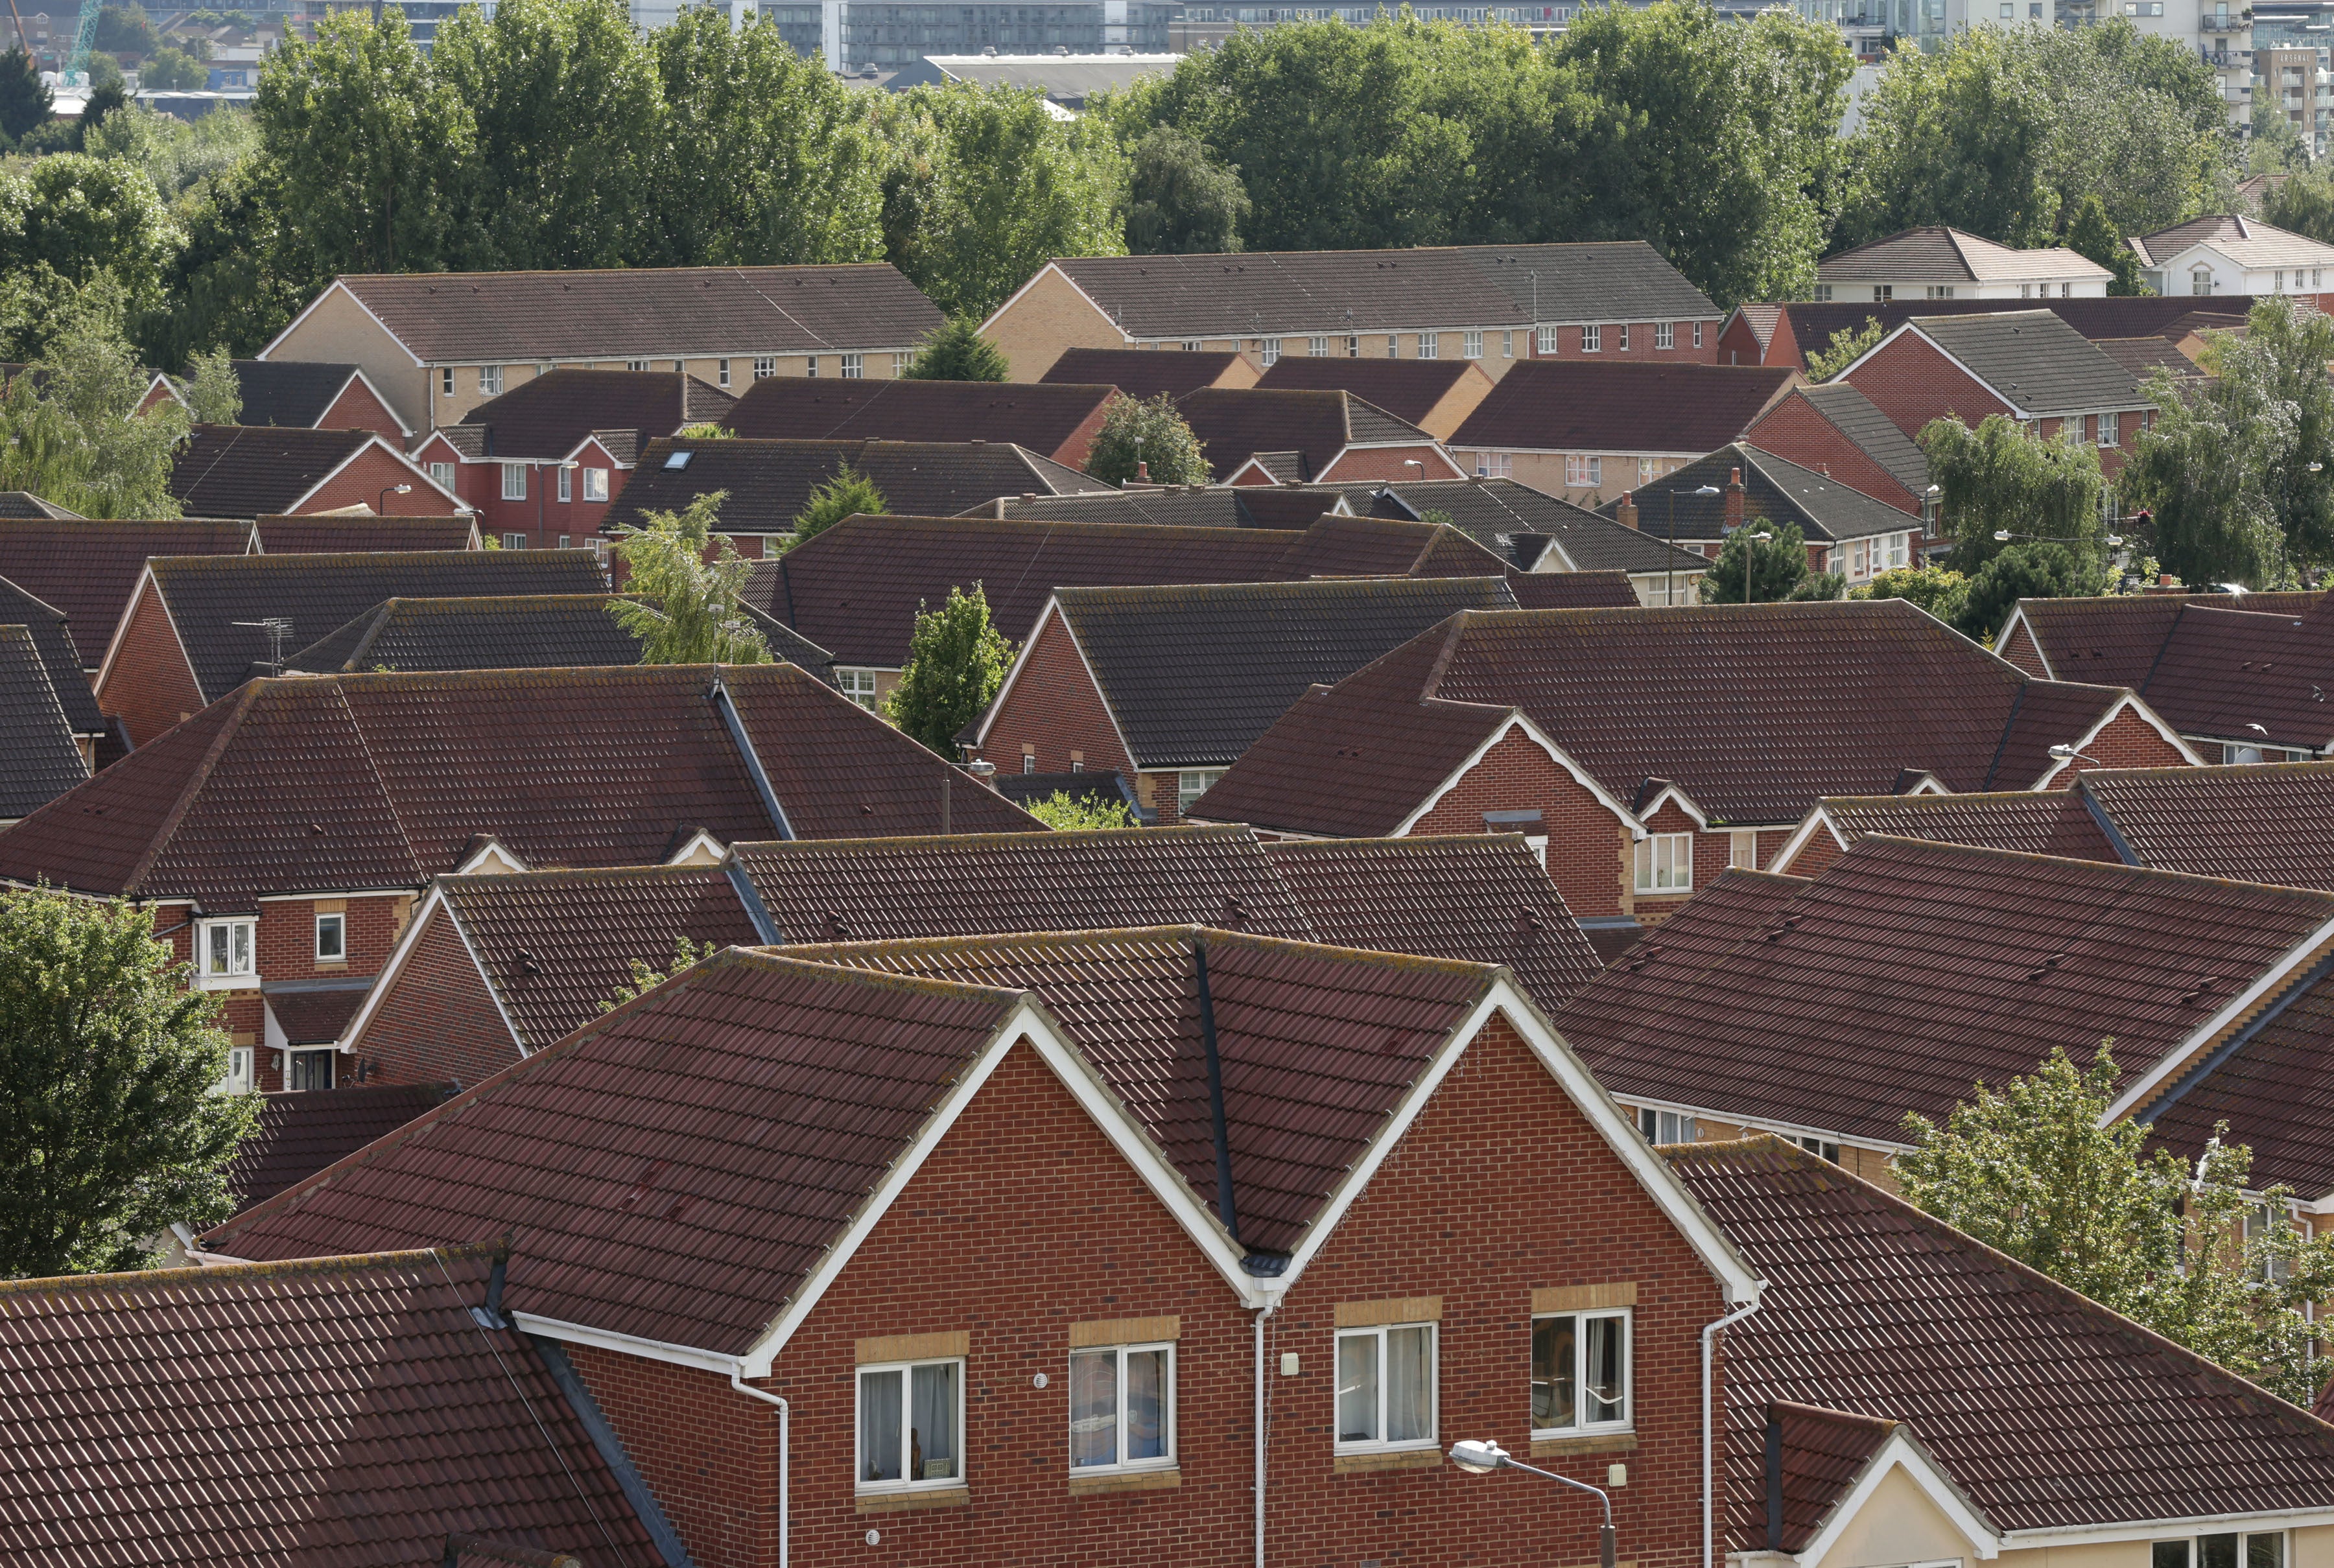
(676, 461)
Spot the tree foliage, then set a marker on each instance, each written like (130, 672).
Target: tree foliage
(2092, 234)
(956, 351)
(847, 494)
(1938, 589)
(1180, 201)
(2302, 203)
(2034, 1170)
(689, 609)
(686, 954)
(2036, 570)
(214, 392)
(1997, 479)
(25, 100)
(1067, 814)
(70, 430)
(1146, 434)
(1777, 565)
(1846, 348)
(169, 69)
(109, 1130)
(956, 662)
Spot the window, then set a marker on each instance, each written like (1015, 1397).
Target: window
(1385, 1387)
(810, 367)
(490, 381)
(636, 364)
(1028, 762)
(1621, 344)
(223, 948)
(1821, 1148)
(595, 484)
(1582, 472)
(1268, 350)
(2277, 287)
(1430, 345)
(764, 368)
(859, 685)
(1190, 345)
(2025, 291)
(1508, 345)
(1471, 346)
(1667, 1126)
(1353, 348)
(1742, 850)
(1665, 334)
(446, 381)
(332, 938)
(513, 481)
(1495, 464)
(1580, 1372)
(1665, 863)
(514, 540)
(564, 540)
(2110, 429)
(1317, 347)
(1883, 292)
(855, 366)
(1547, 342)
(566, 482)
(1393, 346)
(2200, 282)
(2065, 291)
(442, 475)
(721, 370)
(1123, 1408)
(1697, 334)
(310, 1069)
(1190, 784)
(1823, 294)
(1648, 470)
(1941, 291)
(911, 1426)
(1592, 340)
(679, 366)
(2264, 1551)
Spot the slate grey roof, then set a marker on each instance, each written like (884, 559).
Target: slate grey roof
(547, 416)
(1859, 418)
(1511, 518)
(25, 505)
(1294, 435)
(243, 471)
(293, 392)
(1193, 674)
(53, 640)
(2034, 359)
(1775, 488)
(1283, 293)
(514, 631)
(1192, 506)
(38, 758)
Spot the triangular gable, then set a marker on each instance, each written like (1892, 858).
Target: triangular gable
(421, 474)
(1819, 821)
(1902, 1455)
(2113, 710)
(1517, 720)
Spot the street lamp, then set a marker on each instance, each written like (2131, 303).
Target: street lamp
(380, 502)
(1483, 1459)
(1671, 599)
(2069, 753)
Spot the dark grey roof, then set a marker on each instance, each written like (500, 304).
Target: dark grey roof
(512, 631)
(1775, 489)
(289, 392)
(52, 640)
(240, 471)
(1859, 418)
(1511, 518)
(2035, 360)
(24, 505)
(1108, 788)
(769, 482)
(38, 759)
(1193, 674)
(1266, 293)
(1190, 506)
(2141, 356)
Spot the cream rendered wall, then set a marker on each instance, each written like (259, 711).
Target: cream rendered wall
(339, 331)
(1899, 1524)
(1049, 315)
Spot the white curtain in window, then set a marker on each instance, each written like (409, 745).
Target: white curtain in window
(1607, 1363)
(931, 1421)
(1094, 1408)
(1146, 1405)
(879, 1425)
(1410, 1384)
(1357, 1388)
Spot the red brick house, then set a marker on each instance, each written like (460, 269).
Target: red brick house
(1841, 434)
(1258, 436)
(285, 831)
(1847, 530)
(1168, 685)
(341, 534)
(305, 397)
(1653, 748)
(543, 462)
(1055, 420)
(90, 569)
(245, 471)
(496, 967)
(197, 626)
(1302, 1217)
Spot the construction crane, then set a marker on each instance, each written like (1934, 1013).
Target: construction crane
(75, 73)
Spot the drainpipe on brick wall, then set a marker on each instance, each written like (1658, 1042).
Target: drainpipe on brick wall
(1709, 1497)
(1262, 1313)
(786, 1423)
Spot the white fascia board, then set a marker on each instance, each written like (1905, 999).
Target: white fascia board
(1816, 821)
(1902, 328)
(434, 901)
(121, 630)
(1684, 801)
(463, 508)
(627, 1344)
(1056, 268)
(1901, 1451)
(2147, 1529)
(1517, 719)
(340, 286)
(2114, 709)
(492, 989)
(2276, 977)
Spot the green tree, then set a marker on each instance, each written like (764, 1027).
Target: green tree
(168, 70)
(847, 494)
(109, 1130)
(1148, 435)
(1778, 568)
(956, 351)
(1997, 479)
(2093, 234)
(214, 392)
(71, 432)
(224, 287)
(125, 30)
(690, 584)
(1939, 591)
(2036, 1171)
(956, 662)
(1181, 201)
(25, 100)
(1067, 814)
(2302, 203)
(2036, 570)
(2275, 146)
(686, 954)
(69, 222)
(1847, 348)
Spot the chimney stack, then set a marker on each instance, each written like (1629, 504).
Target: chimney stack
(1141, 472)
(1625, 514)
(1733, 499)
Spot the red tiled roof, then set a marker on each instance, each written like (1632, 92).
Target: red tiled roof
(1142, 372)
(2043, 822)
(2275, 1091)
(1406, 389)
(2045, 1409)
(1390, 547)
(1823, 1454)
(349, 781)
(2235, 674)
(1671, 957)
(301, 1133)
(89, 570)
(2115, 641)
(2123, 316)
(1826, 698)
(330, 535)
(1906, 972)
(493, 631)
(1589, 406)
(1044, 418)
(2252, 823)
(347, 1411)
(547, 416)
(1237, 423)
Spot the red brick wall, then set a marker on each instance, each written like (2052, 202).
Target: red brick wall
(1641, 344)
(438, 1021)
(149, 684)
(1738, 344)
(1912, 383)
(708, 1453)
(482, 487)
(1356, 466)
(2021, 648)
(2127, 740)
(1079, 445)
(1429, 1224)
(372, 471)
(1792, 428)
(1054, 705)
(1586, 844)
(356, 408)
(1820, 850)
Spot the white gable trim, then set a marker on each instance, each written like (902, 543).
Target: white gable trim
(340, 286)
(1233, 477)
(2178, 1059)
(490, 859)
(2142, 1530)
(1914, 327)
(1056, 268)
(626, 1344)
(1517, 719)
(2128, 700)
(1027, 1021)
(432, 902)
(121, 630)
(1819, 818)
(358, 375)
(1684, 801)
(1903, 1452)
(2018, 618)
(461, 508)
(698, 840)
(1013, 674)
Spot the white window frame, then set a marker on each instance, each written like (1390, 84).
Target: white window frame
(2111, 429)
(810, 366)
(907, 1371)
(1434, 1390)
(1648, 470)
(721, 372)
(1317, 348)
(855, 366)
(338, 924)
(1547, 336)
(446, 381)
(1665, 334)
(1192, 784)
(859, 685)
(1665, 1127)
(514, 472)
(1268, 350)
(1882, 293)
(1508, 344)
(1823, 294)
(242, 1071)
(490, 381)
(1627, 1420)
(1940, 292)
(1592, 340)
(636, 364)
(442, 475)
(514, 541)
(566, 482)
(242, 966)
(1621, 340)
(1697, 334)
(1122, 1465)
(1470, 344)
(1495, 464)
(596, 484)
(764, 367)
(1430, 345)
(1583, 472)
(1742, 850)
(1353, 346)
(2193, 1546)
(1651, 877)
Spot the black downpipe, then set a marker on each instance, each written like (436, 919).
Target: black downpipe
(1225, 1210)
(1774, 1480)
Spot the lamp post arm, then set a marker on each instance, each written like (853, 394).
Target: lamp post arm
(1603, 1499)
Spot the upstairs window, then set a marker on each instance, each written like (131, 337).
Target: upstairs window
(1393, 346)
(595, 484)
(332, 938)
(1547, 342)
(2110, 429)
(766, 366)
(442, 475)
(636, 364)
(446, 381)
(810, 367)
(490, 381)
(566, 482)
(1353, 348)
(859, 685)
(1190, 784)
(1621, 338)
(855, 366)
(721, 372)
(2200, 282)
(1471, 346)
(1580, 1373)
(1495, 464)
(514, 540)
(911, 1426)
(224, 949)
(1667, 1126)
(1665, 334)
(1823, 294)
(1941, 291)
(1123, 1408)
(2025, 291)
(1317, 347)
(1697, 334)
(1385, 1387)
(1883, 292)
(1508, 345)
(1665, 863)
(513, 481)
(1268, 350)
(1592, 340)
(1583, 472)
(1430, 345)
